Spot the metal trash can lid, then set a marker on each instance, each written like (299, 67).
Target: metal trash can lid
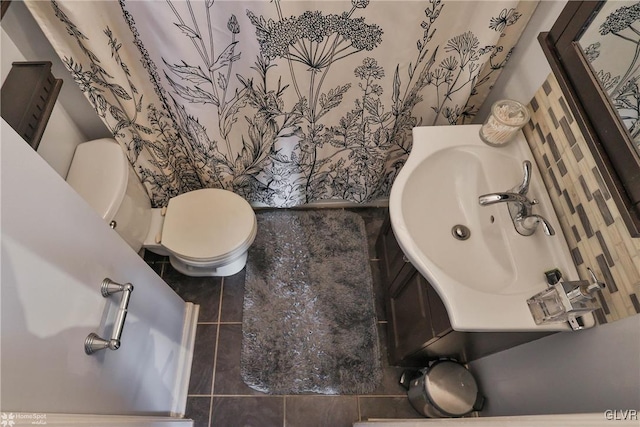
(451, 388)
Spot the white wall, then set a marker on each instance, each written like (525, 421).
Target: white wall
(61, 135)
(528, 67)
(73, 119)
(587, 371)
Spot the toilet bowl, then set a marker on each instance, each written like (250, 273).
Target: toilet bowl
(204, 232)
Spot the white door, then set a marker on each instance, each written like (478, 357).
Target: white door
(56, 251)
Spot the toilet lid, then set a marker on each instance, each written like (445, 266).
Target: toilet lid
(99, 173)
(208, 224)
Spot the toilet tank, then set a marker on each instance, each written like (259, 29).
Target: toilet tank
(102, 175)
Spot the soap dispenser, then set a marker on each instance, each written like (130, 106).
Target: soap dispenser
(565, 301)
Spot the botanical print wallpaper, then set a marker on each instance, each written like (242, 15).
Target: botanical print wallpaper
(612, 45)
(282, 102)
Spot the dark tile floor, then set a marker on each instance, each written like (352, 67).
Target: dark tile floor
(217, 395)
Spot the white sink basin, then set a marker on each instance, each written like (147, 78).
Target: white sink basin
(486, 279)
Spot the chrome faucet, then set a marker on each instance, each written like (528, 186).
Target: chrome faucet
(520, 207)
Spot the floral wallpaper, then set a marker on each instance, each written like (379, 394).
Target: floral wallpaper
(282, 102)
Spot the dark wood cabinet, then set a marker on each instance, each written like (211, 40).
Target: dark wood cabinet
(418, 327)
(30, 90)
(410, 314)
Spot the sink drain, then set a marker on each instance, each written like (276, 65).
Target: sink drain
(461, 232)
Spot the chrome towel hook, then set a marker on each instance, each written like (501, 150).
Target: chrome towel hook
(94, 342)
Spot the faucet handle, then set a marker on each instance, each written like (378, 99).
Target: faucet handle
(523, 188)
(583, 290)
(532, 221)
(595, 283)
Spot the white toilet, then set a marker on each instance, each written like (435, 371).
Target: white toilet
(204, 232)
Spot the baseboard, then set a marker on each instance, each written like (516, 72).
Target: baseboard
(335, 204)
(378, 203)
(93, 420)
(185, 359)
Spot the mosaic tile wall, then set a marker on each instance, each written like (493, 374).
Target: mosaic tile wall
(588, 216)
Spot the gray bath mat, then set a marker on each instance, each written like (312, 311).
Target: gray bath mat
(309, 322)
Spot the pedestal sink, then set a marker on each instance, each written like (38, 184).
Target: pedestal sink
(483, 270)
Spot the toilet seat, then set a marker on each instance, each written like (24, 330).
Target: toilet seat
(208, 225)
